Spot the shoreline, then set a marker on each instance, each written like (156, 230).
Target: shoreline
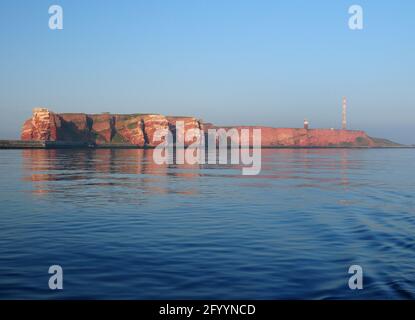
(50, 145)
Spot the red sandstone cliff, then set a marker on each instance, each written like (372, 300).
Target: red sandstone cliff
(299, 137)
(139, 129)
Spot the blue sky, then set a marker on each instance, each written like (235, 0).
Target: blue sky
(229, 62)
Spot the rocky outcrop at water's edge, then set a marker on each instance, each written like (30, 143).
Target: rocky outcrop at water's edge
(139, 129)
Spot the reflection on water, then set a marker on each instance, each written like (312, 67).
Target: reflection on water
(134, 169)
(122, 226)
(120, 166)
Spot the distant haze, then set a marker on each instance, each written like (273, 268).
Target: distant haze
(229, 62)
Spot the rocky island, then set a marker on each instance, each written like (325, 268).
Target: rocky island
(48, 129)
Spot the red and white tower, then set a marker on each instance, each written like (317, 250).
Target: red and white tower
(344, 114)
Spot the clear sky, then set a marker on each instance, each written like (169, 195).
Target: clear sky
(227, 61)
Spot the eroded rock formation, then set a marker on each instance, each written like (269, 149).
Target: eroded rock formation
(139, 130)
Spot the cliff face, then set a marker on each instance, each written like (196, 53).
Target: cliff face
(42, 126)
(139, 129)
(298, 137)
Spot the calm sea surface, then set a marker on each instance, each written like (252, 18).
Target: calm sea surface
(123, 227)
